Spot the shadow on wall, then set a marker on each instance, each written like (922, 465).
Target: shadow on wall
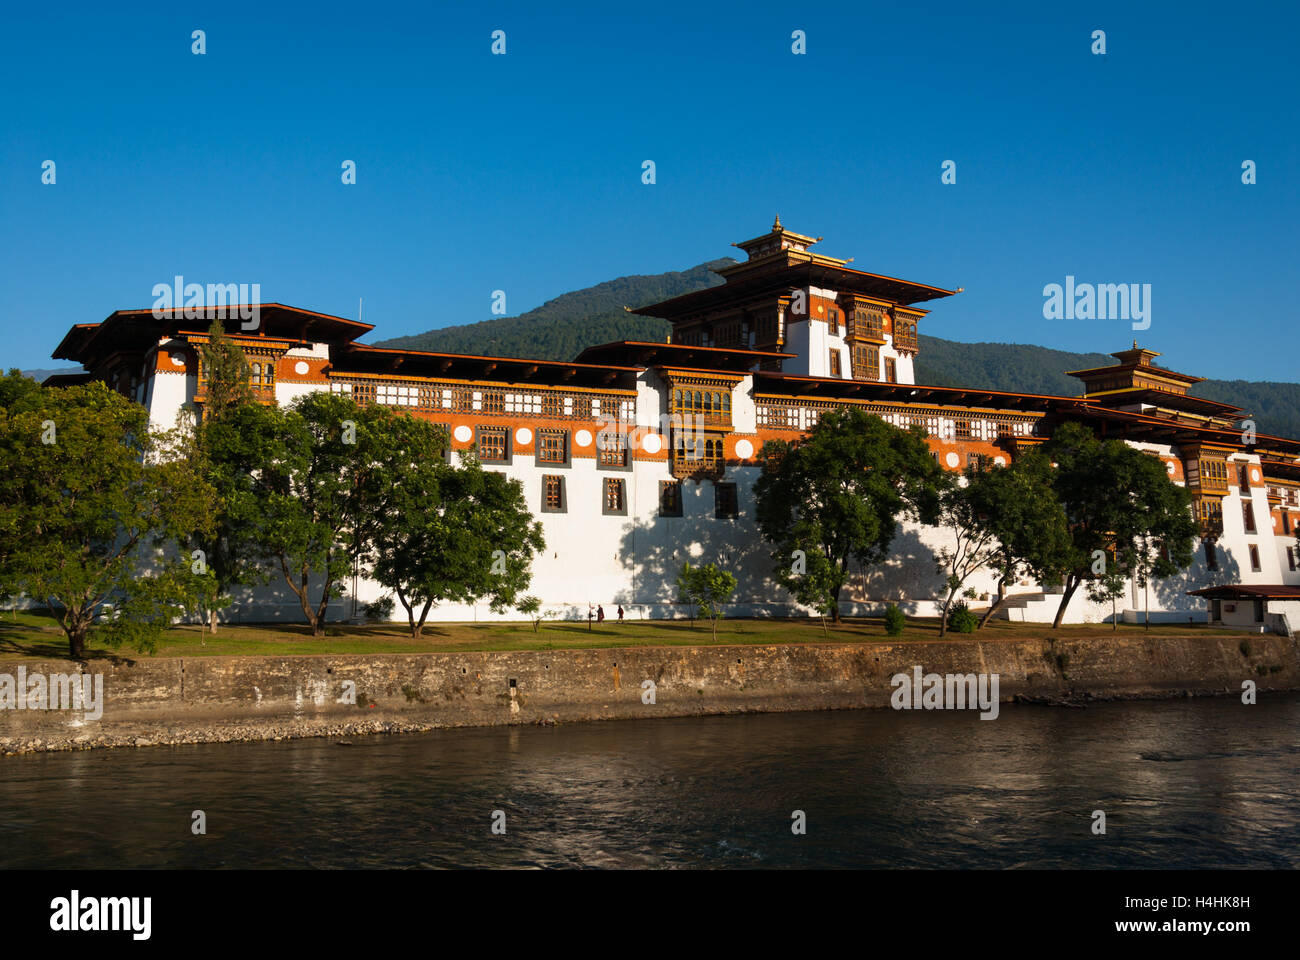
(273, 601)
(1171, 594)
(653, 551)
(908, 577)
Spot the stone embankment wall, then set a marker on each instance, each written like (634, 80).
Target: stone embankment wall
(206, 699)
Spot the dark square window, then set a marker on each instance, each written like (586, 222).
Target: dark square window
(615, 501)
(552, 446)
(962, 429)
(1254, 558)
(724, 503)
(1290, 557)
(1243, 478)
(670, 498)
(1248, 517)
(835, 363)
(494, 444)
(552, 494)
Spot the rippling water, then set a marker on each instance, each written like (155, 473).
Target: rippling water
(1189, 783)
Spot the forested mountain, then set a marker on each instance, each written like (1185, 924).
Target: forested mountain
(39, 375)
(560, 328)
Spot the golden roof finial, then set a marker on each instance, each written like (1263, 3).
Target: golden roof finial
(1135, 343)
(776, 227)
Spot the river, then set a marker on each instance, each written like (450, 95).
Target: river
(1184, 783)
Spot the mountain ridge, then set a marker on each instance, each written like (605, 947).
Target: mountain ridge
(561, 327)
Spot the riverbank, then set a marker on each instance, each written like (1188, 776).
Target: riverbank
(149, 702)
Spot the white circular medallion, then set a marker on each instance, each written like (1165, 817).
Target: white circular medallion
(952, 459)
(462, 434)
(582, 438)
(178, 359)
(1170, 467)
(523, 436)
(1254, 475)
(651, 443)
(1000, 461)
(301, 368)
(744, 449)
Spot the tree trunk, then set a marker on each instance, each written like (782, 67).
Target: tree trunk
(322, 612)
(301, 592)
(835, 606)
(417, 628)
(943, 616)
(1071, 585)
(996, 604)
(76, 642)
(76, 624)
(212, 622)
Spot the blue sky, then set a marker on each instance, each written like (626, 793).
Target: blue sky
(523, 172)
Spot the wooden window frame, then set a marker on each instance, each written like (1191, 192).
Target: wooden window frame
(548, 480)
(552, 434)
(722, 493)
(604, 458)
(664, 509)
(504, 432)
(613, 510)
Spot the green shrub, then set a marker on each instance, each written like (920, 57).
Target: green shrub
(381, 609)
(894, 620)
(960, 619)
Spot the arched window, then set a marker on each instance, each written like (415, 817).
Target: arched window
(696, 404)
(726, 404)
(708, 403)
(257, 373)
(270, 373)
(677, 400)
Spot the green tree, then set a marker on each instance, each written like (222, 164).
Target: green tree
(973, 544)
(219, 451)
(89, 498)
(443, 532)
(706, 587)
(531, 607)
(1018, 504)
(300, 500)
(836, 496)
(1125, 515)
(226, 374)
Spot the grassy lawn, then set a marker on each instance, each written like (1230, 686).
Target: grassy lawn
(26, 636)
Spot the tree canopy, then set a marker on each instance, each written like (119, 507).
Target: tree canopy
(837, 496)
(89, 500)
(448, 532)
(1125, 516)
